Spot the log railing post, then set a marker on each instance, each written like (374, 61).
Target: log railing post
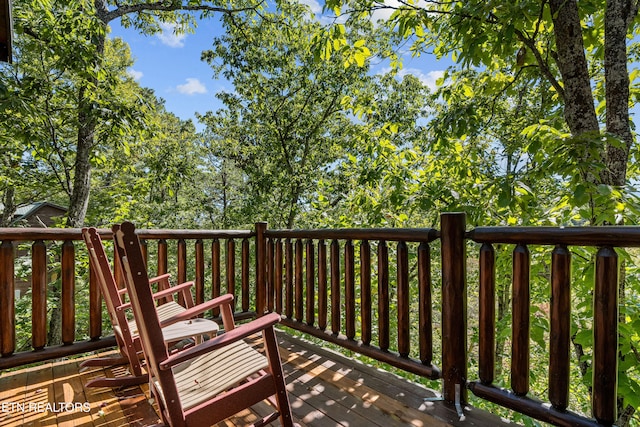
(68, 293)
(605, 337)
(261, 268)
(39, 295)
(454, 306)
(7, 303)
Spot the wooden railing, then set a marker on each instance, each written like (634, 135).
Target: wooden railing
(396, 295)
(229, 260)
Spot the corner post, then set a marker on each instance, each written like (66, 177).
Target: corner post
(454, 306)
(261, 268)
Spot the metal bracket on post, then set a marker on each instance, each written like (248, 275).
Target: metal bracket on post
(457, 403)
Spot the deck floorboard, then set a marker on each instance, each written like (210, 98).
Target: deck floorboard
(326, 389)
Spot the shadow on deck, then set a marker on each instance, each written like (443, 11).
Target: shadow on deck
(326, 389)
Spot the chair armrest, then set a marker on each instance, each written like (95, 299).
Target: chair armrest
(164, 293)
(172, 290)
(240, 332)
(198, 309)
(160, 278)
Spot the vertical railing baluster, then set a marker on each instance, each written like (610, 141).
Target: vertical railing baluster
(322, 285)
(365, 291)
(245, 282)
(605, 337)
(560, 327)
(383, 295)
(199, 279)
(261, 268)
(39, 296)
(95, 305)
(67, 300)
(298, 285)
(334, 255)
(288, 275)
(162, 258)
(349, 290)
(404, 341)
(215, 273)
(271, 274)
(310, 282)
(520, 321)
(182, 267)
(7, 299)
(278, 291)
(231, 270)
(487, 314)
(425, 328)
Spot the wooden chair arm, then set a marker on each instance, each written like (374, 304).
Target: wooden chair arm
(240, 332)
(160, 278)
(174, 289)
(198, 309)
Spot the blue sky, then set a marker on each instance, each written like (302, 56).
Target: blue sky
(171, 66)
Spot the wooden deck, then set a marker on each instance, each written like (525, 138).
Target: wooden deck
(326, 389)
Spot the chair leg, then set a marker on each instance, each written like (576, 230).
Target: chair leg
(104, 361)
(127, 381)
(282, 399)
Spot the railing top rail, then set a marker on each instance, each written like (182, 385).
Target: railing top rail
(29, 234)
(387, 234)
(617, 236)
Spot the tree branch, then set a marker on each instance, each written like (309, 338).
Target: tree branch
(169, 6)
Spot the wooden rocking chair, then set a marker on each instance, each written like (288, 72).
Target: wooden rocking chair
(178, 322)
(212, 381)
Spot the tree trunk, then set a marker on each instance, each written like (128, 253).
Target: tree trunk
(9, 207)
(579, 110)
(617, 90)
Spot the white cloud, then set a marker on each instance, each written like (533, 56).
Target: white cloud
(314, 5)
(193, 86)
(428, 79)
(169, 37)
(135, 74)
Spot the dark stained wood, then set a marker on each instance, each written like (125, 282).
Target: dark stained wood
(288, 275)
(560, 327)
(271, 274)
(67, 301)
(383, 295)
(95, 307)
(322, 285)
(199, 279)
(487, 314)
(298, 282)
(7, 296)
(245, 282)
(365, 291)
(334, 256)
(605, 336)
(310, 283)
(424, 300)
(621, 236)
(182, 266)
(349, 290)
(454, 306)
(39, 296)
(277, 273)
(261, 268)
(531, 407)
(404, 340)
(215, 273)
(231, 271)
(520, 321)
(163, 260)
(371, 234)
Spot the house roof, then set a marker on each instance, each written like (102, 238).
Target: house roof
(27, 211)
